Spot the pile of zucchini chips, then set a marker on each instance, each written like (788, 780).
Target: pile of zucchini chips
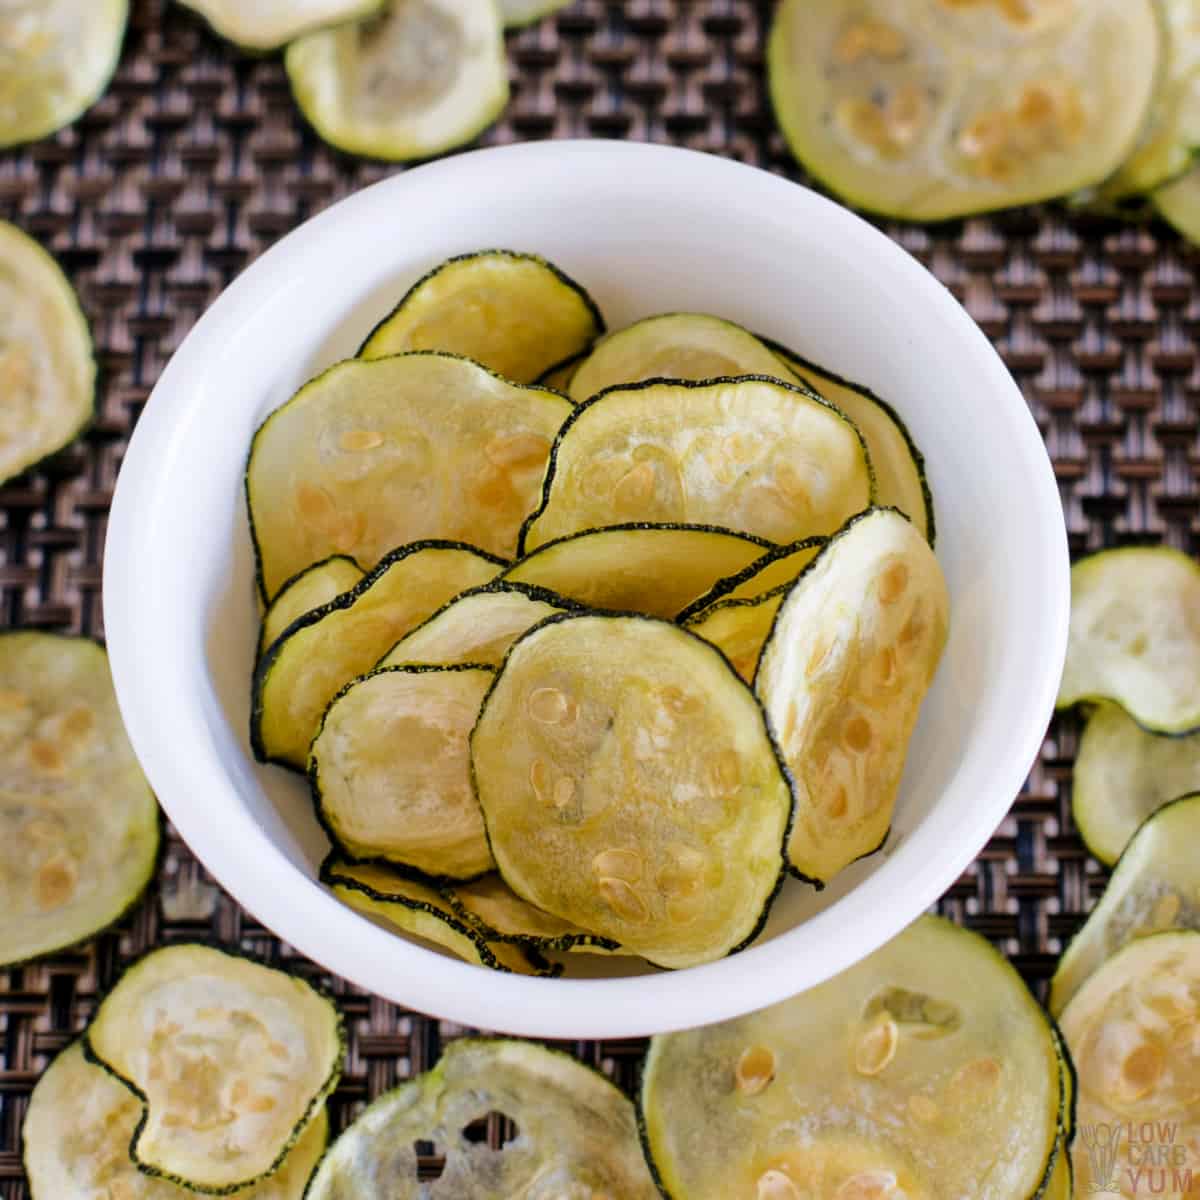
(586, 667)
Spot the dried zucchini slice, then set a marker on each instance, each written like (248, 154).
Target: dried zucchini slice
(419, 79)
(232, 1060)
(79, 828)
(592, 721)
(391, 769)
(372, 455)
(1179, 205)
(752, 455)
(47, 366)
(524, 12)
(739, 629)
(1156, 886)
(926, 1070)
(929, 109)
(271, 24)
(301, 673)
(1134, 1033)
(79, 1127)
(56, 60)
(655, 569)
(1135, 636)
(312, 588)
(577, 1136)
(776, 568)
(1123, 774)
(674, 346)
(517, 314)
(849, 659)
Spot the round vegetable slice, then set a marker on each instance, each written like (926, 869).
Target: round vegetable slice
(419, 79)
(391, 769)
(1156, 886)
(853, 650)
(56, 60)
(739, 629)
(313, 588)
(577, 1133)
(524, 12)
(752, 455)
(1123, 774)
(1132, 1030)
(231, 1058)
(926, 1070)
(79, 1127)
(271, 24)
(517, 314)
(372, 455)
(593, 722)
(1179, 205)
(1135, 636)
(47, 366)
(301, 673)
(79, 828)
(674, 346)
(935, 108)
(635, 567)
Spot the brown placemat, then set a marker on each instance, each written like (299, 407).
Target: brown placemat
(196, 160)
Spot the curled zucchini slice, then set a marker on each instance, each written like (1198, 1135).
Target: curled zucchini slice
(577, 1134)
(674, 346)
(1156, 886)
(655, 569)
(418, 909)
(419, 79)
(1124, 774)
(323, 651)
(79, 828)
(517, 314)
(849, 659)
(595, 720)
(56, 60)
(271, 24)
(313, 588)
(927, 1070)
(524, 12)
(47, 366)
(372, 455)
(79, 1127)
(753, 455)
(1132, 1029)
(231, 1059)
(739, 629)
(391, 769)
(1135, 636)
(1179, 205)
(930, 109)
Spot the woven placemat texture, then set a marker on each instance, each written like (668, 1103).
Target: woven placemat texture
(196, 161)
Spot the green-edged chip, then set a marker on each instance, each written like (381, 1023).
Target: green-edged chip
(312, 588)
(270, 24)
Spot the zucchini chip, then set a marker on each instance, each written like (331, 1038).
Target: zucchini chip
(1135, 636)
(930, 109)
(391, 769)
(674, 346)
(654, 569)
(1179, 205)
(593, 722)
(926, 1070)
(231, 1059)
(79, 1128)
(1155, 886)
(372, 455)
(270, 24)
(79, 828)
(1124, 774)
(47, 365)
(739, 628)
(418, 909)
(752, 455)
(577, 1134)
(524, 12)
(1134, 1033)
(517, 314)
(312, 588)
(849, 659)
(56, 60)
(324, 650)
(419, 79)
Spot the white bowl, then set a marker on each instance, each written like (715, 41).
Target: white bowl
(646, 229)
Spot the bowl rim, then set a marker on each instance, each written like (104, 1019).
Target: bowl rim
(248, 864)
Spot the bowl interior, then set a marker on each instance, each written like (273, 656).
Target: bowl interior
(645, 230)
